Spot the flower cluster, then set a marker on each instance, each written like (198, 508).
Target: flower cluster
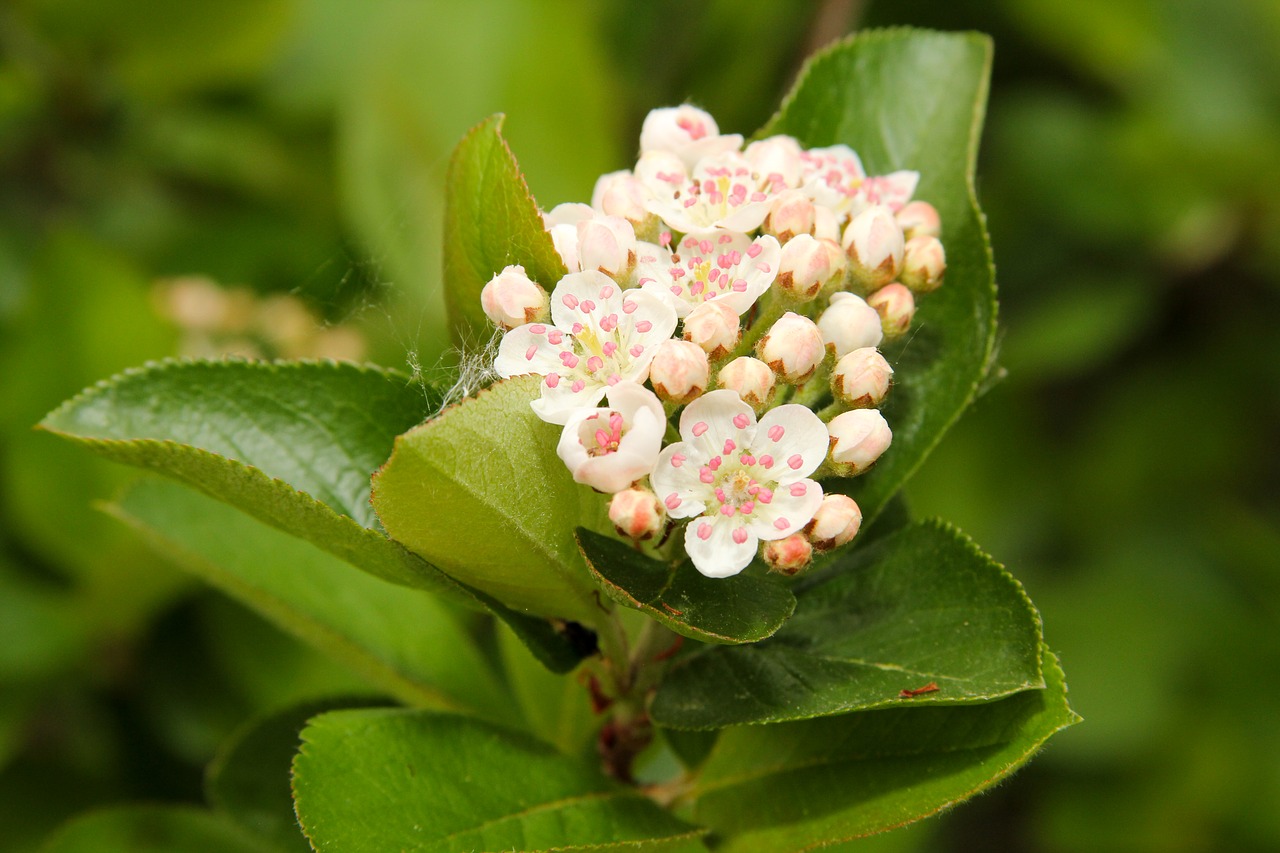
(743, 292)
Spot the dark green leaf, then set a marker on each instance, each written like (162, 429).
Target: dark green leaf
(906, 99)
(810, 784)
(401, 780)
(490, 221)
(154, 829)
(740, 609)
(920, 606)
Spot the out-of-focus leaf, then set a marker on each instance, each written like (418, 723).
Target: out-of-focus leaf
(154, 829)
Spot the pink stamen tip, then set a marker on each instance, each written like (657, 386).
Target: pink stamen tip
(724, 261)
(720, 495)
(569, 360)
(764, 268)
(765, 496)
(776, 432)
(798, 490)
(629, 307)
(678, 459)
(577, 328)
(609, 348)
(690, 202)
(609, 323)
(555, 336)
(713, 275)
(606, 291)
(758, 196)
(729, 446)
(736, 257)
(747, 459)
(602, 438)
(577, 386)
(747, 508)
(665, 238)
(613, 379)
(646, 280)
(754, 249)
(677, 289)
(704, 531)
(781, 524)
(538, 329)
(570, 301)
(740, 535)
(677, 273)
(699, 428)
(530, 353)
(725, 238)
(636, 351)
(706, 475)
(594, 363)
(705, 247)
(672, 501)
(740, 286)
(690, 243)
(587, 306)
(714, 464)
(740, 420)
(795, 462)
(766, 461)
(727, 510)
(643, 326)
(753, 489)
(553, 379)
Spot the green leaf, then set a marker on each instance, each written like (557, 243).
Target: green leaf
(740, 609)
(922, 605)
(491, 221)
(810, 784)
(910, 99)
(480, 492)
(401, 780)
(153, 829)
(402, 640)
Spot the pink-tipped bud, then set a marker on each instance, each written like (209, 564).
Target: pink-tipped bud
(752, 379)
(637, 514)
(790, 213)
(776, 161)
(621, 194)
(714, 327)
(826, 225)
(835, 523)
(607, 244)
(849, 323)
(919, 219)
(687, 132)
(793, 347)
(874, 244)
(788, 555)
(861, 379)
(924, 263)
(805, 268)
(512, 299)
(858, 438)
(679, 371)
(896, 306)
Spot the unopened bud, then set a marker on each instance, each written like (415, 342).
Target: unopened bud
(826, 226)
(857, 440)
(751, 378)
(512, 299)
(776, 160)
(861, 378)
(793, 347)
(896, 306)
(919, 219)
(607, 244)
(835, 523)
(636, 514)
(873, 242)
(621, 194)
(849, 323)
(790, 213)
(687, 132)
(679, 371)
(924, 262)
(714, 327)
(804, 268)
(788, 555)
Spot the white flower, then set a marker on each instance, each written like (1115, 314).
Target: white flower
(722, 192)
(601, 335)
(687, 132)
(777, 160)
(858, 438)
(609, 449)
(719, 265)
(587, 240)
(893, 191)
(738, 480)
(832, 176)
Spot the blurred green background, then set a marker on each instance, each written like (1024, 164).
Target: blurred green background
(263, 177)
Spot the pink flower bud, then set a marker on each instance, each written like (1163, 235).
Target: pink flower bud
(789, 554)
(687, 132)
(636, 514)
(919, 219)
(790, 213)
(861, 378)
(751, 378)
(896, 307)
(776, 160)
(804, 268)
(621, 194)
(607, 244)
(924, 262)
(835, 523)
(512, 299)
(874, 244)
(793, 347)
(849, 323)
(714, 327)
(857, 440)
(679, 371)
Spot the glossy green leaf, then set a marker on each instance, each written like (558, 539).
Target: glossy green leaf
(920, 606)
(402, 640)
(810, 784)
(490, 221)
(741, 609)
(401, 780)
(907, 99)
(154, 829)
(480, 492)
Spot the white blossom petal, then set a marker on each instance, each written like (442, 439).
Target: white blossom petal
(720, 547)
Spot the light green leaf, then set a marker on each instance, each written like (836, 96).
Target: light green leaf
(401, 780)
(740, 609)
(810, 784)
(480, 492)
(909, 99)
(490, 221)
(402, 640)
(153, 829)
(922, 605)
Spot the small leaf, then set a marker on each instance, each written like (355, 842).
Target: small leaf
(480, 492)
(379, 780)
(740, 609)
(811, 784)
(911, 99)
(402, 640)
(491, 221)
(922, 605)
(153, 829)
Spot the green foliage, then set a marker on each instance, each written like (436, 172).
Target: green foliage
(154, 829)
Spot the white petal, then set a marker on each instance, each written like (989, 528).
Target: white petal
(715, 418)
(796, 438)
(676, 480)
(584, 297)
(528, 349)
(645, 322)
(792, 507)
(758, 272)
(727, 548)
(558, 404)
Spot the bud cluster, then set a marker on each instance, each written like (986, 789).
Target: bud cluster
(740, 296)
